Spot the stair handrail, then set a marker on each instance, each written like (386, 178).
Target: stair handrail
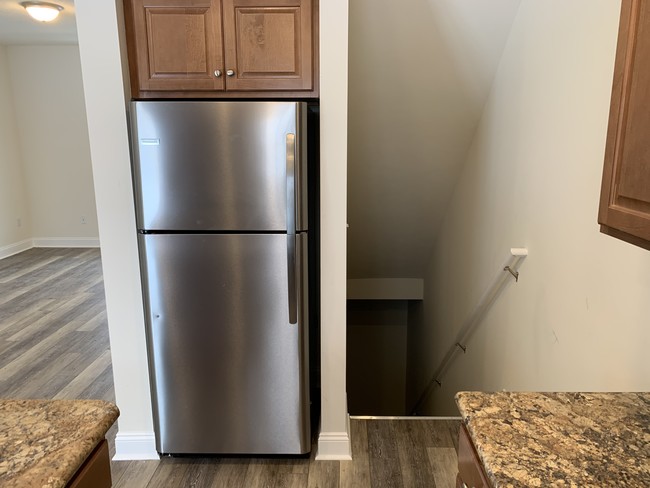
(509, 269)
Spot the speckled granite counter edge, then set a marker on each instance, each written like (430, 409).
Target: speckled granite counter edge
(44, 442)
(560, 439)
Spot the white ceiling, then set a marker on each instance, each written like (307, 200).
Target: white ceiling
(419, 75)
(16, 27)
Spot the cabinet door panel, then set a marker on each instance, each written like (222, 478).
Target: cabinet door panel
(178, 47)
(625, 195)
(470, 469)
(268, 44)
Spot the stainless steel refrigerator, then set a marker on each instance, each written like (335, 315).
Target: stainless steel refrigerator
(220, 190)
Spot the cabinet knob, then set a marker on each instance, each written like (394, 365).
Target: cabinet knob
(230, 72)
(217, 73)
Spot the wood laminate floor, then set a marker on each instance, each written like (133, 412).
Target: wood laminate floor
(54, 344)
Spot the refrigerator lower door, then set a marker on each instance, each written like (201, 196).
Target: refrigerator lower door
(229, 372)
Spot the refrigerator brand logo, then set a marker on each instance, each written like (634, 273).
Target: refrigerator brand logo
(150, 142)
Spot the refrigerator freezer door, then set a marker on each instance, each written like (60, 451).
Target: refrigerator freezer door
(230, 372)
(217, 166)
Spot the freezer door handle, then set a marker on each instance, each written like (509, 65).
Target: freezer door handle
(291, 183)
(291, 227)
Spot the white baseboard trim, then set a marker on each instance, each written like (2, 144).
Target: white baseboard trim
(135, 446)
(66, 241)
(334, 446)
(15, 248)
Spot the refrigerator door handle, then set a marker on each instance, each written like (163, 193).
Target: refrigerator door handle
(291, 183)
(291, 227)
(293, 295)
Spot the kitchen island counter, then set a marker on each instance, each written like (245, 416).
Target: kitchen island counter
(560, 439)
(43, 443)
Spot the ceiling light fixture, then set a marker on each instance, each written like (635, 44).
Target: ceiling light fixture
(42, 11)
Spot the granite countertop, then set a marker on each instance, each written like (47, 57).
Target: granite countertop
(44, 442)
(560, 439)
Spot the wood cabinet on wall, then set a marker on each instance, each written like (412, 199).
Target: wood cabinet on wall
(222, 48)
(625, 195)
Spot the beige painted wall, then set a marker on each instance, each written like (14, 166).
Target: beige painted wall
(579, 317)
(333, 441)
(13, 204)
(53, 139)
(106, 109)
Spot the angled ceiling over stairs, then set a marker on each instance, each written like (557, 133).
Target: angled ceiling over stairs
(419, 75)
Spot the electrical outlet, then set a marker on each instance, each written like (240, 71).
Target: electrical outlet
(83, 220)
(19, 222)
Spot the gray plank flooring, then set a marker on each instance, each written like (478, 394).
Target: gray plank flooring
(54, 344)
(53, 329)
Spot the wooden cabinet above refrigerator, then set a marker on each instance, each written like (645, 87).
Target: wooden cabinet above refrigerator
(222, 48)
